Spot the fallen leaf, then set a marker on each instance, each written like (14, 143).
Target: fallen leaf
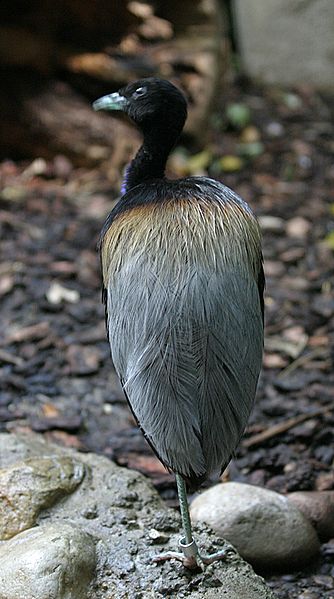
(49, 410)
(199, 162)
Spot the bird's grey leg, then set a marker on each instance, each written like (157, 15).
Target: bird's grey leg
(190, 556)
(187, 543)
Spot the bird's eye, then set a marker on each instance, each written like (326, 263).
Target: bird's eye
(140, 91)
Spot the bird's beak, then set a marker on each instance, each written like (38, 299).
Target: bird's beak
(111, 102)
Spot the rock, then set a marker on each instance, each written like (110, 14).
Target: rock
(115, 510)
(28, 487)
(286, 28)
(55, 561)
(265, 527)
(318, 507)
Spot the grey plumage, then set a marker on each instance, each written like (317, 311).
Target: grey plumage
(185, 321)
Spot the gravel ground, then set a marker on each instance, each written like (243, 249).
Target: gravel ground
(56, 374)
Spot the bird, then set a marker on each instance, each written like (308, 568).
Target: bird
(183, 286)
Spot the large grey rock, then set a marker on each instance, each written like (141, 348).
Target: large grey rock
(118, 512)
(287, 41)
(25, 572)
(265, 527)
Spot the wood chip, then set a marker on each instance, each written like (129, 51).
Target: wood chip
(6, 284)
(31, 333)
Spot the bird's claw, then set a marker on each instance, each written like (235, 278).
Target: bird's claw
(188, 562)
(190, 556)
(214, 557)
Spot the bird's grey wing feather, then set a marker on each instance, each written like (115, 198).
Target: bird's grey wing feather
(189, 362)
(185, 326)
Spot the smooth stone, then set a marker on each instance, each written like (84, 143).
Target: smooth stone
(28, 487)
(54, 561)
(264, 526)
(318, 507)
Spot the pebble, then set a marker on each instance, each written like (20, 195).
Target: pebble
(264, 526)
(156, 536)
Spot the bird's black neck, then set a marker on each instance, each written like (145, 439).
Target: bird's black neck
(150, 160)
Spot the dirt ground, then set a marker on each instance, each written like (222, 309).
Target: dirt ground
(56, 372)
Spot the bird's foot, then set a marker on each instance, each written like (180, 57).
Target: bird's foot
(188, 562)
(190, 556)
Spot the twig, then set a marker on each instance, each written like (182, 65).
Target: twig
(282, 427)
(317, 351)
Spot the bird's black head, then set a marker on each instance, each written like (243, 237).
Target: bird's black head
(151, 103)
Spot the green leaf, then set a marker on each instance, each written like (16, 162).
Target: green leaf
(230, 163)
(329, 239)
(238, 115)
(199, 162)
(251, 150)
